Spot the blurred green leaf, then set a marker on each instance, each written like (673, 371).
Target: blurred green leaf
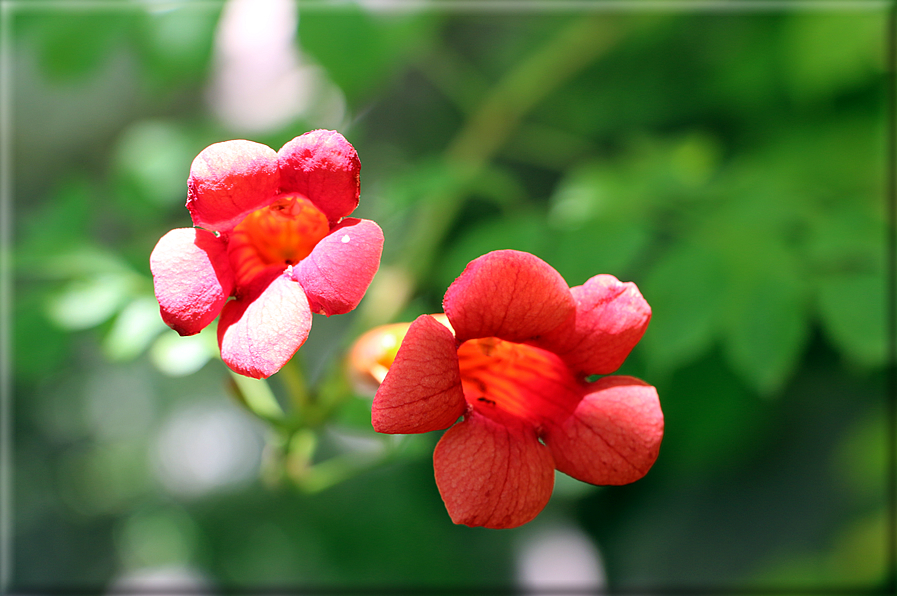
(852, 307)
(830, 51)
(136, 326)
(153, 160)
(158, 537)
(685, 289)
(176, 42)
(178, 356)
(75, 43)
(40, 345)
(522, 231)
(766, 331)
(87, 303)
(713, 423)
(601, 247)
(359, 49)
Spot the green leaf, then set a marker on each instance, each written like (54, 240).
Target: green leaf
(86, 303)
(133, 330)
(685, 291)
(523, 231)
(177, 42)
(76, 43)
(153, 162)
(602, 247)
(767, 329)
(361, 50)
(827, 52)
(178, 356)
(852, 307)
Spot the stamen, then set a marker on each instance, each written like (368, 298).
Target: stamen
(281, 235)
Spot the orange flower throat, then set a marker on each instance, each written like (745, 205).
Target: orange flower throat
(280, 234)
(521, 380)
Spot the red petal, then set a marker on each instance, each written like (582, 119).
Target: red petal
(611, 317)
(492, 474)
(422, 391)
(339, 270)
(507, 294)
(228, 180)
(192, 278)
(614, 435)
(259, 332)
(323, 166)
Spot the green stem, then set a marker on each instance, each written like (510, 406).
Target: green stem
(258, 398)
(497, 116)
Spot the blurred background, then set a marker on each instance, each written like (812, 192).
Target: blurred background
(731, 163)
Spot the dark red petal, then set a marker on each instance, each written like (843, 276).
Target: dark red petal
(507, 294)
(229, 180)
(192, 278)
(259, 332)
(323, 166)
(611, 317)
(614, 435)
(339, 270)
(492, 474)
(422, 391)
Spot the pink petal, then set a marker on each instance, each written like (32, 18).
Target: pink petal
(228, 180)
(611, 317)
(614, 435)
(422, 391)
(507, 294)
(192, 278)
(492, 474)
(323, 166)
(339, 270)
(259, 332)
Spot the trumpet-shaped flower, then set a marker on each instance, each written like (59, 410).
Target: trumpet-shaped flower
(514, 362)
(270, 231)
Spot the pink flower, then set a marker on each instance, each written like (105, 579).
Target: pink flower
(517, 370)
(270, 231)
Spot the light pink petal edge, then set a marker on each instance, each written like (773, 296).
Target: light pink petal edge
(422, 390)
(507, 294)
(493, 474)
(339, 270)
(192, 278)
(614, 435)
(228, 180)
(259, 332)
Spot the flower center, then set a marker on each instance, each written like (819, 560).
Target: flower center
(521, 380)
(280, 234)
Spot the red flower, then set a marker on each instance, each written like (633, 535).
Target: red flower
(516, 369)
(271, 231)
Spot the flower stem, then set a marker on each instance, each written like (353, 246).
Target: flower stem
(258, 398)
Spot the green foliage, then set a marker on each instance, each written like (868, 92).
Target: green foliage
(362, 51)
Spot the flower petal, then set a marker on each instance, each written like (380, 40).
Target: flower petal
(192, 278)
(259, 332)
(339, 270)
(507, 294)
(422, 390)
(611, 317)
(614, 435)
(323, 166)
(493, 474)
(228, 180)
